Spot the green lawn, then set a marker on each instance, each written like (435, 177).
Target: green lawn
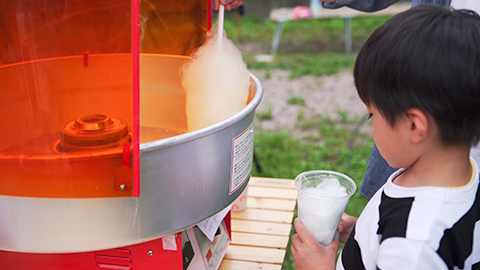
(307, 49)
(337, 148)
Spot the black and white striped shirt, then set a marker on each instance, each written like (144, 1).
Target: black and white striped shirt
(417, 228)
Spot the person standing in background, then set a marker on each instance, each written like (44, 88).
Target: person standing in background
(378, 170)
(425, 119)
(376, 5)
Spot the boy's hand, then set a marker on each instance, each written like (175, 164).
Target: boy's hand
(308, 253)
(229, 4)
(345, 227)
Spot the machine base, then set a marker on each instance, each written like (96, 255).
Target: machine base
(152, 255)
(144, 256)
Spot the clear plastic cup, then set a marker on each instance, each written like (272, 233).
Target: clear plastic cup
(322, 201)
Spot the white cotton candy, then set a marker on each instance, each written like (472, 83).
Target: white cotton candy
(216, 82)
(329, 187)
(320, 208)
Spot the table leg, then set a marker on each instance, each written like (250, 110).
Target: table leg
(348, 34)
(277, 36)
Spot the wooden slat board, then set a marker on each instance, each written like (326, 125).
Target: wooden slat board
(345, 11)
(259, 240)
(261, 232)
(255, 254)
(270, 204)
(273, 193)
(272, 182)
(260, 227)
(243, 265)
(264, 215)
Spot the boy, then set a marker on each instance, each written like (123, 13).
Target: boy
(419, 77)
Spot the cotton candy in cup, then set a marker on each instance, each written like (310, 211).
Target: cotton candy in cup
(216, 81)
(322, 199)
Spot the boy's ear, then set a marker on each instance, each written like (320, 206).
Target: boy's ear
(418, 125)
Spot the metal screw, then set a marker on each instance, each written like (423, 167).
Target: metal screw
(123, 187)
(150, 253)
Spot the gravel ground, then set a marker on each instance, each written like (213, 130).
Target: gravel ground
(323, 95)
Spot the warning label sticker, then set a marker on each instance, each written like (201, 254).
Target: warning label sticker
(242, 157)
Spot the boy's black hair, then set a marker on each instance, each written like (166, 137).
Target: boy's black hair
(427, 57)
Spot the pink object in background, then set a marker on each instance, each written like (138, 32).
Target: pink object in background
(301, 12)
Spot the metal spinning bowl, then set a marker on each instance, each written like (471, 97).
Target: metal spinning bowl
(184, 179)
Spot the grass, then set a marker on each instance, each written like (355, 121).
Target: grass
(265, 115)
(296, 101)
(309, 47)
(259, 30)
(281, 155)
(305, 63)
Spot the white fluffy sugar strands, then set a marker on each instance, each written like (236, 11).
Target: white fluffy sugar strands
(216, 82)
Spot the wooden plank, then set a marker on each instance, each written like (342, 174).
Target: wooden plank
(272, 182)
(259, 240)
(241, 265)
(271, 204)
(348, 12)
(259, 227)
(261, 232)
(277, 14)
(255, 254)
(264, 215)
(274, 193)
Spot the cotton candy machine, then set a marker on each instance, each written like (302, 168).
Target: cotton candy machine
(94, 153)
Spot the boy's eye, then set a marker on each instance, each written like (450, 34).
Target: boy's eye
(370, 115)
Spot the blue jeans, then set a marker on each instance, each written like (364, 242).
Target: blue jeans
(376, 174)
(376, 5)
(378, 171)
